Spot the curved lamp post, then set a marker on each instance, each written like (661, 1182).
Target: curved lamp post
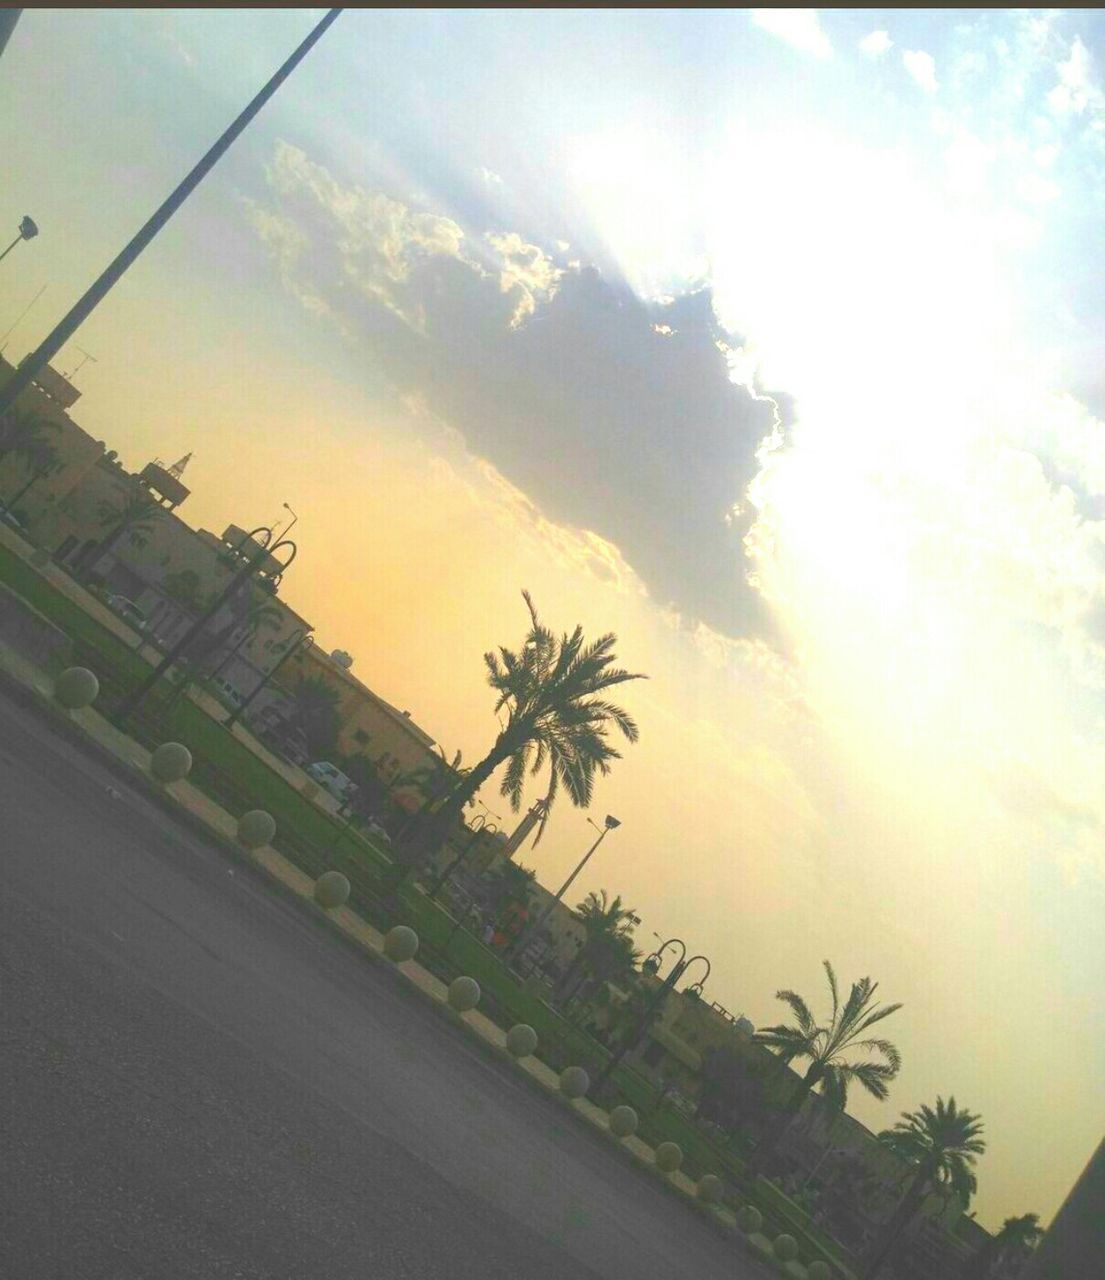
(133, 700)
(303, 641)
(484, 829)
(28, 229)
(653, 963)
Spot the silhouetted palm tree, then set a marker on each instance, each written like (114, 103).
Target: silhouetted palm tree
(940, 1144)
(830, 1048)
(135, 516)
(607, 940)
(315, 713)
(556, 717)
(1018, 1236)
(24, 436)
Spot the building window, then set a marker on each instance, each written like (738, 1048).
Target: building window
(359, 736)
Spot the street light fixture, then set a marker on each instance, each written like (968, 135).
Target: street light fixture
(28, 229)
(284, 531)
(303, 640)
(84, 307)
(264, 550)
(609, 825)
(653, 964)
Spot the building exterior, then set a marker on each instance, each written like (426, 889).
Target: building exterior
(369, 725)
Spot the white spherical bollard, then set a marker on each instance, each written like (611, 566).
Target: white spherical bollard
(464, 994)
(623, 1121)
(256, 829)
(786, 1248)
(574, 1082)
(401, 943)
(331, 890)
(76, 687)
(818, 1270)
(709, 1188)
(750, 1219)
(171, 762)
(521, 1040)
(669, 1156)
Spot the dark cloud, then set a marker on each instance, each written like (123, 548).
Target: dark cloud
(563, 379)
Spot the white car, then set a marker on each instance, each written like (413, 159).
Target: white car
(128, 611)
(327, 775)
(378, 833)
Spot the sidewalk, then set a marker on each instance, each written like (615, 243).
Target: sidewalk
(188, 803)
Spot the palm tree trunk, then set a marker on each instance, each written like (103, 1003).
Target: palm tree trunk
(429, 833)
(97, 553)
(903, 1216)
(767, 1148)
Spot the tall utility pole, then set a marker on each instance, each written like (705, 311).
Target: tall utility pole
(65, 329)
(8, 19)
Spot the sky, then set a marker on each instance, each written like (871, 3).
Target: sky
(768, 340)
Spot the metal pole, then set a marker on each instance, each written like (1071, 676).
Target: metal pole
(80, 312)
(11, 246)
(616, 1061)
(8, 19)
(535, 927)
(132, 700)
(232, 720)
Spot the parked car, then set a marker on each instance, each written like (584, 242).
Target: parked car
(327, 775)
(378, 833)
(128, 611)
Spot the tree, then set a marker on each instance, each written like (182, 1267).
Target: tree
(134, 516)
(729, 1092)
(829, 1049)
(939, 1144)
(607, 940)
(24, 436)
(1016, 1239)
(556, 717)
(183, 586)
(315, 713)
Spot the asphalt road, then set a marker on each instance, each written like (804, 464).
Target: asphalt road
(200, 1081)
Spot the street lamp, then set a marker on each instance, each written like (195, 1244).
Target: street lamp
(653, 964)
(132, 701)
(27, 231)
(609, 825)
(284, 532)
(84, 307)
(304, 640)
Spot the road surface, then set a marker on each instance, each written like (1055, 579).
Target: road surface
(198, 1081)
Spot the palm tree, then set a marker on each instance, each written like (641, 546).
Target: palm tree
(1017, 1237)
(551, 692)
(829, 1049)
(315, 713)
(607, 940)
(23, 434)
(940, 1145)
(135, 516)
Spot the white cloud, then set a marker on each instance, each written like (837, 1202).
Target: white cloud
(876, 44)
(525, 268)
(922, 67)
(800, 28)
(1075, 90)
(490, 177)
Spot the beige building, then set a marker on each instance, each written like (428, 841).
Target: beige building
(368, 725)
